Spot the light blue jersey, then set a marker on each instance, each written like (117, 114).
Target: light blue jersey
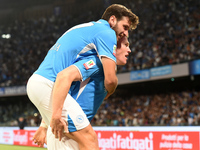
(90, 93)
(93, 38)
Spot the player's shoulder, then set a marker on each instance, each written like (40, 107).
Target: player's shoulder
(102, 24)
(103, 30)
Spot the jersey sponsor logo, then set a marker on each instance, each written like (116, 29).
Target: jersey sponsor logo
(79, 119)
(89, 64)
(114, 50)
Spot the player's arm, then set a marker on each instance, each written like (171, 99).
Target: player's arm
(105, 42)
(60, 91)
(110, 80)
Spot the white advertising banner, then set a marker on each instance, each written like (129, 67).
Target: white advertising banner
(6, 137)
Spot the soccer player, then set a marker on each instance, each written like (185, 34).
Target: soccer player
(82, 41)
(89, 94)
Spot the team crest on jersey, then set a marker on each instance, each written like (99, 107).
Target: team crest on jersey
(80, 119)
(114, 50)
(89, 64)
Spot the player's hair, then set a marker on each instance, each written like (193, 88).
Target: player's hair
(120, 11)
(123, 39)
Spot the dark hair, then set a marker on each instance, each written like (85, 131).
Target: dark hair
(120, 11)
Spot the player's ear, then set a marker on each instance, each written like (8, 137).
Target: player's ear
(112, 21)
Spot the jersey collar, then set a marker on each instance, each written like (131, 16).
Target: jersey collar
(104, 22)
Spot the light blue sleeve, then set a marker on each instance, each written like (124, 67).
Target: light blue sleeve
(106, 42)
(88, 66)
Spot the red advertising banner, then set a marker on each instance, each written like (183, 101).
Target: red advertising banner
(121, 140)
(125, 140)
(23, 137)
(176, 140)
(142, 140)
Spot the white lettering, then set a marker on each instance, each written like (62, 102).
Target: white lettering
(177, 145)
(165, 145)
(22, 139)
(117, 142)
(180, 138)
(168, 137)
(175, 141)
(187, 146)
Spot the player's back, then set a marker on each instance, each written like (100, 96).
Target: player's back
(80, 41)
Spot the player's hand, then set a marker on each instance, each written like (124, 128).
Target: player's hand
(39, 137)
(58, 127)
(107, 96)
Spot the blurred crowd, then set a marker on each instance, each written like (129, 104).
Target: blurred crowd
(18, 111)
(168, 33)
(30, 41)
(169, 109)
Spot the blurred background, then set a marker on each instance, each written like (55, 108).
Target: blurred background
(159, 86)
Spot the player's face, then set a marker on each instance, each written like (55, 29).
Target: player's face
(122, 51)
(121, 27)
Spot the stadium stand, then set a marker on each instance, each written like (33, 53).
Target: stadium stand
(169, 33)
(172, 109)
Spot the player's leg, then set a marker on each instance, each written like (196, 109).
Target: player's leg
(64, 144)
(39, 91)
(86, 138)
(79, 126)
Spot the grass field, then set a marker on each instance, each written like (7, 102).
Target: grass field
(15, 147)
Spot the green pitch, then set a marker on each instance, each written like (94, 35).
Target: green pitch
(16, 147)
